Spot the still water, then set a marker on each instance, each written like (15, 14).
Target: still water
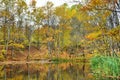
(50, 71)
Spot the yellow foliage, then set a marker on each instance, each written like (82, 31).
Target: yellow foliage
(58, 31)
(73, 12)
(16, 45)
(1, 57)
(5, 14)
(2, 72)
(19, 45)
(82, 16)
(69, 28)
(3, 51)
(20, 77)
(107, 13)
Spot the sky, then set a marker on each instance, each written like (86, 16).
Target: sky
(55, 2)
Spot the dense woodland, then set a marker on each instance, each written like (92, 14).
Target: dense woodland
(88, 31)
(88, 27)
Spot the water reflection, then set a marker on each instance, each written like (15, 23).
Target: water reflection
(63, 71)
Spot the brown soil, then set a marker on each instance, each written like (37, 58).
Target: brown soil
(21, 55)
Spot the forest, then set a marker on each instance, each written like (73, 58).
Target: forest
(87, 31)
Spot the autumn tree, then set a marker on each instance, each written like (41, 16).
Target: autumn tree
(39, 17)
(107, 19)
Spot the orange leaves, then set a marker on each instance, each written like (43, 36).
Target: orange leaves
(94, 35)
(44, 30)
(115, 33)
(97, 2)
(50, 39)
(84, 8)
(64, 55)
(107, 13)
(93, 4)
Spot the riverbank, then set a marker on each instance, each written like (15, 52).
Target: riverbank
(43, 61)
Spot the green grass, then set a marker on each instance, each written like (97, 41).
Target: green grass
(61, 60)
(105, 66)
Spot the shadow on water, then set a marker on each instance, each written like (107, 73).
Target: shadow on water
(51, 71)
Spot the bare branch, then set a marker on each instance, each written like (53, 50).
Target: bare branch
(112, 10)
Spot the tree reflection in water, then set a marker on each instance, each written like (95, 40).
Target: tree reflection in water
(62, 71)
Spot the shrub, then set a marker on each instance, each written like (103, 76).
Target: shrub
(3, 51)
(106, 66)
